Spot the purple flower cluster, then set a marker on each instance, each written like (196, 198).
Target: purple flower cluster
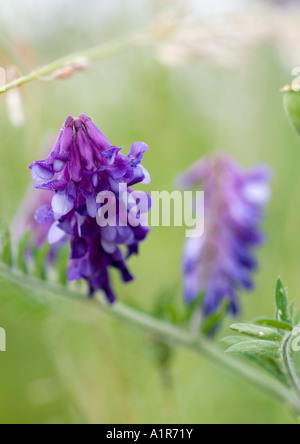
(82, 164)
(24, 220)
(221, 262)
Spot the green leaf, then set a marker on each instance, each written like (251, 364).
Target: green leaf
(40, 258)
(273, 323)
(164, 307)
(260, 348)
(194, 306)
(267, 363)
(256, 331)
(282, 303)
(233, 340)
(212, 321)
(61, 265)
(6, 250)
(270, 365)
(22, 247)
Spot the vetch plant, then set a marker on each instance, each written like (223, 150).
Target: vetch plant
(272, 343)
(219, 264)
(269, 359)
(82, 164)
(216, 266)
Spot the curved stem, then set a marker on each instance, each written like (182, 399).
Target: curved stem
(120, 44)
(164, 332)
(289, 367)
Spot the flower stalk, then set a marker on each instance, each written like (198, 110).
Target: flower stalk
(164, 332)
(81, 59)
(99, 52)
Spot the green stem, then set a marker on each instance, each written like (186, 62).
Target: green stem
(289, 367)
(164, 332)
(113, 47)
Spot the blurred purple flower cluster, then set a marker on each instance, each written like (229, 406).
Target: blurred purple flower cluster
(220, 263)
(82, 164)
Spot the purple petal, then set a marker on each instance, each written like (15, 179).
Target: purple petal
(79, 248)
(84, 146)
(67, 138)
(125, 235)
(63, 156)
(44, 215)
(61, 205)
(257, 192)
(147, 178)
(108, 247)
(58, 165)
(126, 275)
(137, 177)
(137, 151)
(118, 169)
(109, 234)
(41, 171)
(55, 234)
(66, 226)
(94, 133)
(95, 180)
(91, 206)
(111, 154)
(75, 168)
(55, 185)
(71, 191)
(57, 145)
(74, 272)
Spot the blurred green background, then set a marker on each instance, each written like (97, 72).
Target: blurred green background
(65, 363)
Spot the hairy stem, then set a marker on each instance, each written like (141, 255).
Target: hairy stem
(288, 365)
(164, 332)
(118, 45)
